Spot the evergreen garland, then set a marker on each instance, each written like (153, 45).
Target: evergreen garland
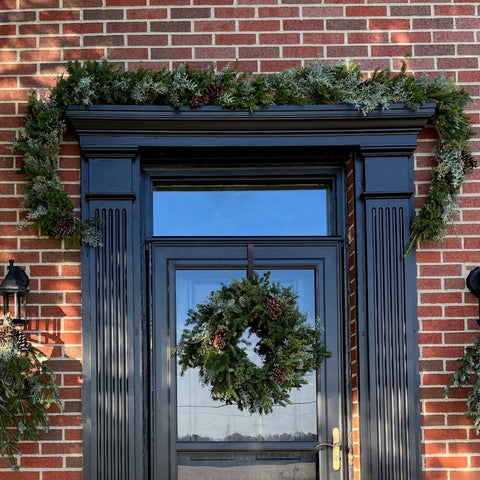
(468, 375)
(222, 329)
(95, 82)
(27, 389)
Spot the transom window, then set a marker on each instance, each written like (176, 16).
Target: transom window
(242, 211)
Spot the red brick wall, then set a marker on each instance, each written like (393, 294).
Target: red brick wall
(38, 37)
(354, 462)
(448, 313)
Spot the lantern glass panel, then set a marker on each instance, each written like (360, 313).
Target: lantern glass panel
(14, 289)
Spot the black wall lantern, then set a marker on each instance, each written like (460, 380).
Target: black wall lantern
(473, 284)
(14, 290)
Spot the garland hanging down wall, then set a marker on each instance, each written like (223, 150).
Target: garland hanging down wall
(27, 389)
(51, 210)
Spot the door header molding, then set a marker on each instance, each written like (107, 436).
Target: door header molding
(128, 127)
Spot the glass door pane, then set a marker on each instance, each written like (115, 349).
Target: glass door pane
(197, 414)
(201, 419)
(247, 466)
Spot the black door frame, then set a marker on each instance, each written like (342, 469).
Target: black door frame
(112, 139)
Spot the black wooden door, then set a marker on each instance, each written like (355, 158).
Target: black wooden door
(196, 438)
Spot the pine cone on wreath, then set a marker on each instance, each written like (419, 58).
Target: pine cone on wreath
(200, 100)
(469, 162)
(65, 227)
(215, 89)
(218, 338)
(275, 308)
(279, 375)
(21, 340)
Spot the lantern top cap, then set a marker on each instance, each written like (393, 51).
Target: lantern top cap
(16, 280)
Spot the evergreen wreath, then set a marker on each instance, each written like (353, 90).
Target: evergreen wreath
(27, 389)
(92, 82)
(250, 313)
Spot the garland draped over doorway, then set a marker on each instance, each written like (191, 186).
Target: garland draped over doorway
(93, 83)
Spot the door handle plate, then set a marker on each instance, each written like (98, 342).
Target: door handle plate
(336, 449)
(336, 444)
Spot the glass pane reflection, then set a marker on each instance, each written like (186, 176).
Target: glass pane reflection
(199, 418)
(277, 212)
(247, 466)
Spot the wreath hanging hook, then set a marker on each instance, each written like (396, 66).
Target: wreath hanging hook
(250, 255)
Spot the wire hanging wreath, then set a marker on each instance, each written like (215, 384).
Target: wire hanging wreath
(251, 313)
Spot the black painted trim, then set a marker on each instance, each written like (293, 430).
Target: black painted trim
(115, 127)
(110, 196)
(112, 139)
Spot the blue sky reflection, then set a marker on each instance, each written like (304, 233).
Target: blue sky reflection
(240, 212)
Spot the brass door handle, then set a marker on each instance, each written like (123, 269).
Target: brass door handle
(336, 444)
